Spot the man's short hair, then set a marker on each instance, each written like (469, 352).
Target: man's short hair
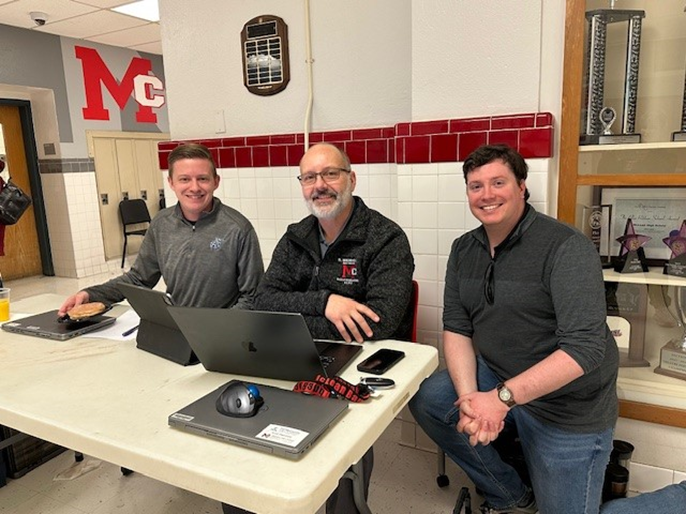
(341, 152)
(190, 151)
(487, 154)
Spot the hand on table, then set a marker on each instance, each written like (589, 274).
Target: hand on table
(349, 317)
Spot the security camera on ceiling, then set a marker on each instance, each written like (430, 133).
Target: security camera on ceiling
(39, 18)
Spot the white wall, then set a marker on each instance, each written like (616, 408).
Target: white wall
(362, 68)
(472, 58)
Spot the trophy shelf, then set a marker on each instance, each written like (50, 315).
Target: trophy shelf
(653, 277)
(668, 145)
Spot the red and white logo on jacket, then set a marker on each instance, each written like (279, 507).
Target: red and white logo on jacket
(348, 271)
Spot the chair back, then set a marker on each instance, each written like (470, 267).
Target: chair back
(133, 212)
(414, 303)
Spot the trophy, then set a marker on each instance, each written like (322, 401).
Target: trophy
(632, 257)
(681, 135)
(597, 219)
(676, 265)
(595, 112)
(673, 354)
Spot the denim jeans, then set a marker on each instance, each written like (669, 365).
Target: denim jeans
(566, 468)
(668, 500)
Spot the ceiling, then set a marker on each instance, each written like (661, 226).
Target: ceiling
(89, 20)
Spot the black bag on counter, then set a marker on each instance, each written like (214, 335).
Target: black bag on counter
(13, 202)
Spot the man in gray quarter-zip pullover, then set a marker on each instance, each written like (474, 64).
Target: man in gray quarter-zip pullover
(207, 252)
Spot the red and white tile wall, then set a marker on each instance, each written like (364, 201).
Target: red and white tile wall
(411, 173)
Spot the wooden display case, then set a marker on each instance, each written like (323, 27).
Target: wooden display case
(657, 162)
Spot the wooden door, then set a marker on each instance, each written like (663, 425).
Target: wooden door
(22, 252)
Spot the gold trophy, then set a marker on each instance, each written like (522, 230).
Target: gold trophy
(673, 354)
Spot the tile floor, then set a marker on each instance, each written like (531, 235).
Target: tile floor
(404, 479)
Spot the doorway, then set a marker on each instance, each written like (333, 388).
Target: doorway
(126, 167)
(27, 250)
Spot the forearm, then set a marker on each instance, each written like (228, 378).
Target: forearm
(460, 360)
(555, 371)
(250, 270)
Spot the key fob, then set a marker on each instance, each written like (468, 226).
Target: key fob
(378, 382)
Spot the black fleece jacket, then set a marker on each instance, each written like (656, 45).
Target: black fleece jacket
(370, 262)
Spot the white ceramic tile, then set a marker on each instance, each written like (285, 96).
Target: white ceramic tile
(424, 215)
(404, 169)
(643, 478)
(405, 188)
(424, 188)
(379, 186)
(362, 186)
(450, 215)
(425, 267)
(427, 318)
(425, 169)
(450, 168)
(451, 188)
(405, 212)
(424, 241)
(428, 293)
(537, 184)
(265, 209)
(383, 205)
(282, 209)
(248, 187)
(282, 187)
(679, 476)
(249, 208)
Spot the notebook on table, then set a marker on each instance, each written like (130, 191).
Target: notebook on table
(287, 424)
(260, 344)
(47, 325)
(157, 333)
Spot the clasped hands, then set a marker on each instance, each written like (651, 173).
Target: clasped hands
(482, 416)
(350, 317)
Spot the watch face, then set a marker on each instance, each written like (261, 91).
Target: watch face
(505, 395)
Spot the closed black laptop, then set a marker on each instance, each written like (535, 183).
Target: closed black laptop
(47, 325)
(260, 344)
(158, 333)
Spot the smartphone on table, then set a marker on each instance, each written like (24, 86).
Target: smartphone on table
(380, 361)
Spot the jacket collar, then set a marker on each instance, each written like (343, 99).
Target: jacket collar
(519, 229)
(216, 206)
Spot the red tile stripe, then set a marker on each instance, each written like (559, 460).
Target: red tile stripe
(408, 142)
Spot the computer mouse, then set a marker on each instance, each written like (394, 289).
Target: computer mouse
(239, 400)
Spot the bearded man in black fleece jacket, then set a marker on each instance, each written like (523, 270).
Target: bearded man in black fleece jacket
(346, 268)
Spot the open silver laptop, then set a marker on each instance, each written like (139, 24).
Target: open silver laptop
(286, 425)
(47, 325)
(260, 344)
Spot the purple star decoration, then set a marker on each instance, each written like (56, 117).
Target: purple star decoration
(677, 241)
(631, 241)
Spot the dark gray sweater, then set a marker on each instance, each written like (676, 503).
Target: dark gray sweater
(370, 262)
(215, 262)
(549, 294)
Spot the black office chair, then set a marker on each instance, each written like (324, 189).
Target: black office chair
(133, 212)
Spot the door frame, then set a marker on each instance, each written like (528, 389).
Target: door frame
(30, 150)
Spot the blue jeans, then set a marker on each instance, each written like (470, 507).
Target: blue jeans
(668, 500)
(567, 468)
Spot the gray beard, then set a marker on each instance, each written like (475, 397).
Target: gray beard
(342, 201)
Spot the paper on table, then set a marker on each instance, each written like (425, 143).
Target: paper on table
(124, 322)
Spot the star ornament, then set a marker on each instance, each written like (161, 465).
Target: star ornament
(631, 241)
(677, 241)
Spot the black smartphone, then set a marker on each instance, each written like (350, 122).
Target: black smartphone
(380, 361)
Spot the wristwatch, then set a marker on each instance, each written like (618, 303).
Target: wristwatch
(505, 395)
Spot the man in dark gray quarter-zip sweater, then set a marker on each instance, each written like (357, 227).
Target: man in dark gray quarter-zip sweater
(346, 268)
(207, 253)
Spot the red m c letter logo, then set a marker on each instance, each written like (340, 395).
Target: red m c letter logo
(95, 73)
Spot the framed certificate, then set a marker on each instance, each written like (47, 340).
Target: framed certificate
(655, 212)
